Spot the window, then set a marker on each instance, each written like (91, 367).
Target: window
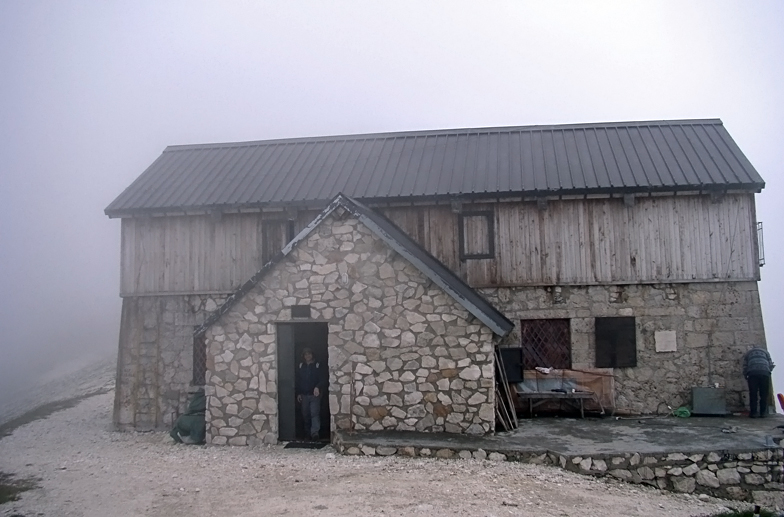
(546, 343)
(199, 360)
(476, 234)
(616, 343)
(275, 235)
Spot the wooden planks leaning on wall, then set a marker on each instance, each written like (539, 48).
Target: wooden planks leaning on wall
(577, 242)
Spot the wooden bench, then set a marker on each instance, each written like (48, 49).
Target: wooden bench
(544, 396)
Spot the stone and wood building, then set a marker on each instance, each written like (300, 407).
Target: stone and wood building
(627, 251)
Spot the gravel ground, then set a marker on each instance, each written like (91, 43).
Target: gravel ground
(86, 469)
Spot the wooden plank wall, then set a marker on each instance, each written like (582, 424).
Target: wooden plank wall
(578, 242)
(581, 242)
(192, 254)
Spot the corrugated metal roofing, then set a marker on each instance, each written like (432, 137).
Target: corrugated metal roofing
(622, 157)
(432, 268)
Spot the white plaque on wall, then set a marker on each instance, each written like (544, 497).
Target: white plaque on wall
(665, 341)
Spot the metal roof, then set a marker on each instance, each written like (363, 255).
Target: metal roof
(431, 267)
(622, 157)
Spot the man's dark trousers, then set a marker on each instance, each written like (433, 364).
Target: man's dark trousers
(758, 391)
(311, 415)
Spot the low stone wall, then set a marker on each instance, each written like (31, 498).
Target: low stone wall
(754, 475)
(714, 323)
(730, 475)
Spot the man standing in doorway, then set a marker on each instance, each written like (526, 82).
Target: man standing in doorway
(757, 366)
(310, 386)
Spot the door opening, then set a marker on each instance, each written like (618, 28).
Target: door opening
(293, 338)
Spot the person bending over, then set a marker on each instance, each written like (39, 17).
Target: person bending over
(757, 366)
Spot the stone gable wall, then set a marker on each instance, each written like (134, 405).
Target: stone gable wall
(715, 323)
(417, 359)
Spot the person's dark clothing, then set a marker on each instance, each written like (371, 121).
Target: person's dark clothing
(311, 415)
(309, 377)
(757, 366)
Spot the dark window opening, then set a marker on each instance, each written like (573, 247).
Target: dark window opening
(199, 360)
(276, 234)
(616, 343)
(546, 343)
(476, 233)
(300, 311)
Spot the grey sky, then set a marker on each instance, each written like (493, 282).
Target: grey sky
(91, 93)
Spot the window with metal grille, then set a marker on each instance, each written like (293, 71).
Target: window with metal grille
(476, 235)
(616, 342)
(546, 343)
(199, 360)
(275, 234)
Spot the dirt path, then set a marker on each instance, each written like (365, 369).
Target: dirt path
(86, 469)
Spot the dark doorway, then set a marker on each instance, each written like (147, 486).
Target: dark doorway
(292, 339)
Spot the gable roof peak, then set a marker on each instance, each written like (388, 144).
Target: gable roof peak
(401, 243)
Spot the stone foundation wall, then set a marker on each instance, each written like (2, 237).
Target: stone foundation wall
(155, 358)
(715, 323)
(402, 354)
(753, 475)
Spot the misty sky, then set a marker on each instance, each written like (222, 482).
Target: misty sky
(92, 92)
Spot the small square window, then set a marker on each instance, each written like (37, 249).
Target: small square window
(300, 311)
(476, 233)
(616, 343)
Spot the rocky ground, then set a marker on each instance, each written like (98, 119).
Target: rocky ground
(84, 468)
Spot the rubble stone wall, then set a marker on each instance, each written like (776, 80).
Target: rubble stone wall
(155, 358)
(416, 358)
(714, 324)
(750, 475)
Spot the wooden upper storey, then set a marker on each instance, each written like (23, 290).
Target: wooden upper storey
(655, 239)
(626, 202)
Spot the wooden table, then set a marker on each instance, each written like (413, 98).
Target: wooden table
(544, 396)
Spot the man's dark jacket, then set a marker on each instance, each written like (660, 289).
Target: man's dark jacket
(310, 376)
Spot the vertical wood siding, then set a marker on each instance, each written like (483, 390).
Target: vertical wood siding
(578, 242)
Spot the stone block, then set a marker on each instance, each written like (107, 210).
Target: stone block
(646, 473)
(445, 453)
(707, 478)
(728, 476)
(621, 474)
(736, 493)
(754, 479)
(768, 499)
(496, 456)
(683, 484)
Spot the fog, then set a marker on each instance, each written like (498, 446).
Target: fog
(92, 92)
